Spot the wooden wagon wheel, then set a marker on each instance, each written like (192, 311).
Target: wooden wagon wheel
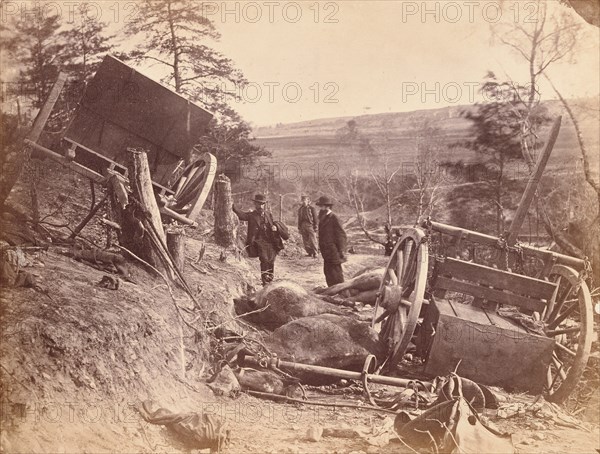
(401, 294)
(569, 320)
(189, 184)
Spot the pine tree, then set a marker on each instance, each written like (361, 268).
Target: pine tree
(36, 46)
(87, 43)
(175, 33)
(175, 36)
(496, 131)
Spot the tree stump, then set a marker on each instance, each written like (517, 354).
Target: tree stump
(225, 220)
(176, 246)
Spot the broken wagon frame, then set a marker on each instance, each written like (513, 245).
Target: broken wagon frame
(449, 305)
(122, 109)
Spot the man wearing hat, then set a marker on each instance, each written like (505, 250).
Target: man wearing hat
(261, 238)
(332, 242)
(307, 225)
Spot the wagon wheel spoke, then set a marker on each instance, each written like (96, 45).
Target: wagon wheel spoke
(569, 321)
(400, 265)
(550, 307)
(401, 294)
(561, 298)
(549, 379)
(566, 350)
(558, 332)
(560, 367)
(407, 252)
(562, 317)
(385, 314)
(393, 277)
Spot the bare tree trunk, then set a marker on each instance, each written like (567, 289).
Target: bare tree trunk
(363, 224)
(33, 191)
(225, 224)
(388, 205)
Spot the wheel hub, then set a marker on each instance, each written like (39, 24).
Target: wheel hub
(391, 298)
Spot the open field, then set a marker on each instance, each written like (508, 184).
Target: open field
(315, 148)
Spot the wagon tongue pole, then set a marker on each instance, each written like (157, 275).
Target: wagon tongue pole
(277, 364)
(532, 184)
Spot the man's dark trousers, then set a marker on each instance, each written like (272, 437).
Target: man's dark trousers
(333, 273)
(266, 255)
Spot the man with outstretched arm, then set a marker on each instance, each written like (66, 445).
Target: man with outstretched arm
(261, 240)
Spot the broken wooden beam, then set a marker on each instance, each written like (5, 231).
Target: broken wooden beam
(14, 160)
(532, 184)
(140, 183)
(46, 109)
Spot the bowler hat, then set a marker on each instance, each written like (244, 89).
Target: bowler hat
(324, 201)
(260, 198)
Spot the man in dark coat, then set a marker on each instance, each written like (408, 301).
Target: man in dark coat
(332, 242)
(308, 224)
(262, 238)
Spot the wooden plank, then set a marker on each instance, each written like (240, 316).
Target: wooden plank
(497, 296)
(489, 240)
(505, 323)
(46, 109)
(88, 173)
(532, 184)
(473, 314)
(112, 163)
(109, 161)
(499, 279)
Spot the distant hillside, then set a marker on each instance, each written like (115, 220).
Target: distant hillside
(369, 124)
(315, 142)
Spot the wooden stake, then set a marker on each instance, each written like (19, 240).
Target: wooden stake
(176, 246)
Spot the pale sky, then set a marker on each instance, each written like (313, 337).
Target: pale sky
(309, 59)
(383, 56)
